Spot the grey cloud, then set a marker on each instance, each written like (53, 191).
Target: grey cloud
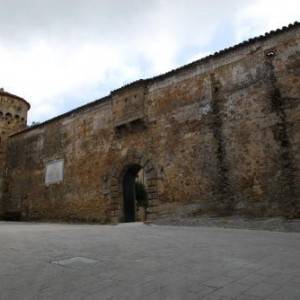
(106, 20)
(54, 52)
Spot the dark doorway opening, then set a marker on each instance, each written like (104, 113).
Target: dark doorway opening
(135, 195)
(129, 194)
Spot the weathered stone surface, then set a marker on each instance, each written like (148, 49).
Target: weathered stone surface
(13, 118)
(223, 133)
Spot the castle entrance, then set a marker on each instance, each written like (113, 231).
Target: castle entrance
(129, 193)
(135, 196)
(133, 189)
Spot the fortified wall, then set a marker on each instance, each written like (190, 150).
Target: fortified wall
(13, 118)
(221, 134)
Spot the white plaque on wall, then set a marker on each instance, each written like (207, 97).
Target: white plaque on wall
(54, 172)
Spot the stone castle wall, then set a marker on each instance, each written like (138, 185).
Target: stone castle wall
(13, 118)
(222, 133)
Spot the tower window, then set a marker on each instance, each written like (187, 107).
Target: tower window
(8, 116)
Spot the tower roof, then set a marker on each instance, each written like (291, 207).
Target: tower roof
(6, 94)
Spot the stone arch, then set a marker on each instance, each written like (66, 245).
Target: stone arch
(116, 185)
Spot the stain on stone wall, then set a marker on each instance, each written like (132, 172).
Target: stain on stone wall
(223, 198)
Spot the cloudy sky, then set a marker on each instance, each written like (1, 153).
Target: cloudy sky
(59, 54)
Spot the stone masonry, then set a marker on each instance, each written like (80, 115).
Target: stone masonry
(222, 132)
(13, 118)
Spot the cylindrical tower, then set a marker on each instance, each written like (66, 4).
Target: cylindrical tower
(13, 114)
(13, 118)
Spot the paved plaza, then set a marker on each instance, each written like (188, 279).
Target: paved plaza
(137, 261)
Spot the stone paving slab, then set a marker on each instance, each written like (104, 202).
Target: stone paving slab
(137, 261)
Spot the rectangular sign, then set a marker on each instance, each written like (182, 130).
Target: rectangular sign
(54, 172)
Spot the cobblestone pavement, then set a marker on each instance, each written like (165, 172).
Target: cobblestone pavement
(137, 261)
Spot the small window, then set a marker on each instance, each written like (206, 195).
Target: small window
(270, 53)
(8, 116)
(17, 117)
(1, 114)
(54, 172)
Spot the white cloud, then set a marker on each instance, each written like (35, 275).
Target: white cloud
(61, 53)
(44, 72)
(261, 16)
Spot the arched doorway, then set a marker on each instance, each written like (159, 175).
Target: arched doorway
(135, 195)
(123, 206)
(129, 193)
